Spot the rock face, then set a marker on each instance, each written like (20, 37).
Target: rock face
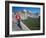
(25, 14)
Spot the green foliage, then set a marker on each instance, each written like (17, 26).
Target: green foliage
(32, 23)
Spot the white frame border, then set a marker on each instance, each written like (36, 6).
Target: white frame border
(25, 32)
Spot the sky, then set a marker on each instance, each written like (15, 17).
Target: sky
(32, 9)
